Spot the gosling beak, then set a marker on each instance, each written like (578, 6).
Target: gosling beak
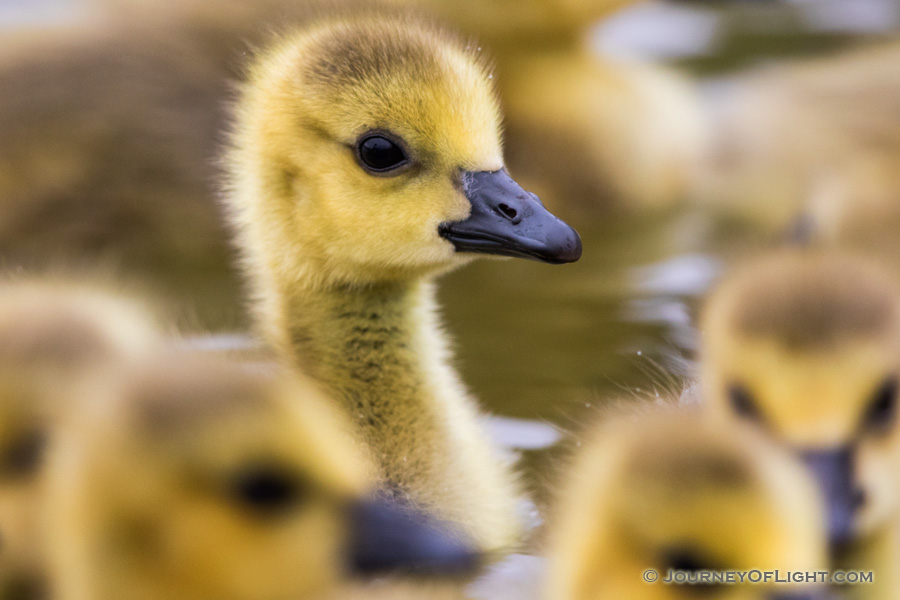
(389, 538)
(833, 470)
(508, 221)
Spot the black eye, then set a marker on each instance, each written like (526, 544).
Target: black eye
(695, 567)
(742, 403)
(266, 490)
(378, 154)
(24, 586)
(23, 457)
(882, 409)
(685, 559)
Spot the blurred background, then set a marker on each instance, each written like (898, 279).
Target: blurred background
(677, 137)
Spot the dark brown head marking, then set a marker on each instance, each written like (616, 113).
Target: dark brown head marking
(807, 302)
(349, 55)
(175, 395)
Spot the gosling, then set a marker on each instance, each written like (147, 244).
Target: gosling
(365, 161)
(55, 336)
(806, 347)
(660, 491)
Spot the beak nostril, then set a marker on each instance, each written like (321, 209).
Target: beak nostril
(508, 211)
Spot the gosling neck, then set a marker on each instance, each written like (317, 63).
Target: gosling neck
(366, 344)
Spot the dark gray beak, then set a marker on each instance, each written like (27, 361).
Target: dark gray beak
(508, 221)
(387, 537)
(834, 471)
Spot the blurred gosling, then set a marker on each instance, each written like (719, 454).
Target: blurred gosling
(114, 162)
(366, 160)
(54, 338)
(806, 347)
(662, 489)
(814, 144)
(203, 480)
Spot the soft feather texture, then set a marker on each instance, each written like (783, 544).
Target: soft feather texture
(341, 261)
(660, 488)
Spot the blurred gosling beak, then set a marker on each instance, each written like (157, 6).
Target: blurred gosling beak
(508, 221)
(833, 470)
(388, 538)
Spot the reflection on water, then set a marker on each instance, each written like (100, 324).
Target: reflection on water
(522, 434)
(665, 30)
(23, 13)
(658, 30)
(684, 275)
(860, 16)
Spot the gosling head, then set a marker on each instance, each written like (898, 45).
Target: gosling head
(667, 492)
(54, 337)
(807, 348)
(367, 148)
(197, 479)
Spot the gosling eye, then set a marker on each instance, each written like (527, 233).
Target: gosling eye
(882, 410)
(24, 456)
(379, 155)
(266, 490)
(691, 561)
(743, 403)
(683, 558)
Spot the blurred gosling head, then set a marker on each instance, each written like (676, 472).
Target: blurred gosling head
(203, 480)
(367, 149)
(664, 490)
(806, 347)
(54, 337)
(53, 324)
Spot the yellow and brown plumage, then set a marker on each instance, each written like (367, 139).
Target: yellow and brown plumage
(660, 488)
(193, 477)
(57, 340)
(341, 257)
(804, 346)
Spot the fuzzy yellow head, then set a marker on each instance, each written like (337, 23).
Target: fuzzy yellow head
(807, 347)
(351, 149)
(200, 479)
(309, 103)
(666, 492)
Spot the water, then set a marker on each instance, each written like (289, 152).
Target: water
(538, 341)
